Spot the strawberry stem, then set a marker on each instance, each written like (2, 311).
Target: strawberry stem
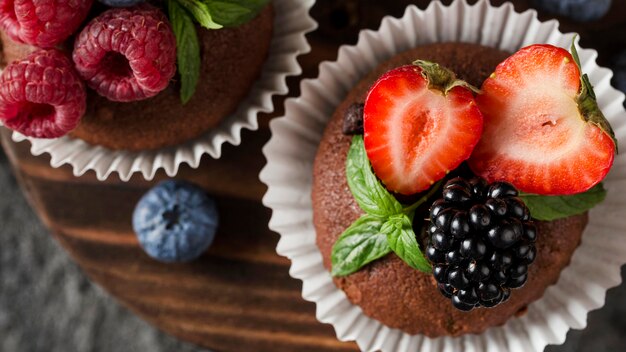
(441, 78)
(587, 103)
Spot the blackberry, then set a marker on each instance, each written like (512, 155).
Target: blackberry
(481, 242)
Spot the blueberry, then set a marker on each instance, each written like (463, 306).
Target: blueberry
(121, 3)
(175, 221)
(577, 10)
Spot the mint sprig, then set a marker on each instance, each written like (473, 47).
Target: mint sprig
(187, 49)
(402, 240)
(210, 14)
(362, 243)
(387, 225)
(371, 196)
(550, 208)
(200, 12)
(233, 13)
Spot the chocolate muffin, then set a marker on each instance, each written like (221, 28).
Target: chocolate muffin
(232, 59)
(390, 291)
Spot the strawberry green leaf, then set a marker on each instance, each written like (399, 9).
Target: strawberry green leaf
(369, 193)
(187, 49)
(232, 13)
(550, 208)
(200, 12)
(587, 103)
(359, 245)
(403, 242)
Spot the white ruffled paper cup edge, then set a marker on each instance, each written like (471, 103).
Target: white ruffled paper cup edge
(595, 265)
(292, 22)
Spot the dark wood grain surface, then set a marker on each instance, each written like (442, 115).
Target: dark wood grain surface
(239, 295)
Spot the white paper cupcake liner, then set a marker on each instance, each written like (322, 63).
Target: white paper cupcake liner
(292, 21)
(582, 286)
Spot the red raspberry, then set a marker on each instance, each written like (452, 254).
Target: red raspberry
(42, 96)
(127, 54)
(44, 23)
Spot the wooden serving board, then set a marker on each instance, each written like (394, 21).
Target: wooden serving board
(239, 295)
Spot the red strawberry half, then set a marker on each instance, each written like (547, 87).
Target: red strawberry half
(420, 122)
(544, 132)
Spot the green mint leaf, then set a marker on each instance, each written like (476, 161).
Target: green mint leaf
(233, 13)
(187, 49)
(200, 12)
(555, 207)
(371, 196)
(402, 240)
(359, 245)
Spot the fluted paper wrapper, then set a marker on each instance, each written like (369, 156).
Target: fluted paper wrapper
(291, 22)
(582, 286)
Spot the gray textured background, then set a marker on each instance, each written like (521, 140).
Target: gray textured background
(47, 304)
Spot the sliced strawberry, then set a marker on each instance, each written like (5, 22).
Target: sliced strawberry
(419, 123)
(543, 132)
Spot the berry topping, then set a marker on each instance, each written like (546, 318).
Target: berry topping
(544, 132)
(127, 54)
(578, 10)
(44, 23)
(175, 221)
(477, 266)
(420, 122)
(42, 96)
(121, 3)
(353, 120)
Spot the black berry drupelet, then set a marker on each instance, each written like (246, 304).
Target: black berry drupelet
(481, 242)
